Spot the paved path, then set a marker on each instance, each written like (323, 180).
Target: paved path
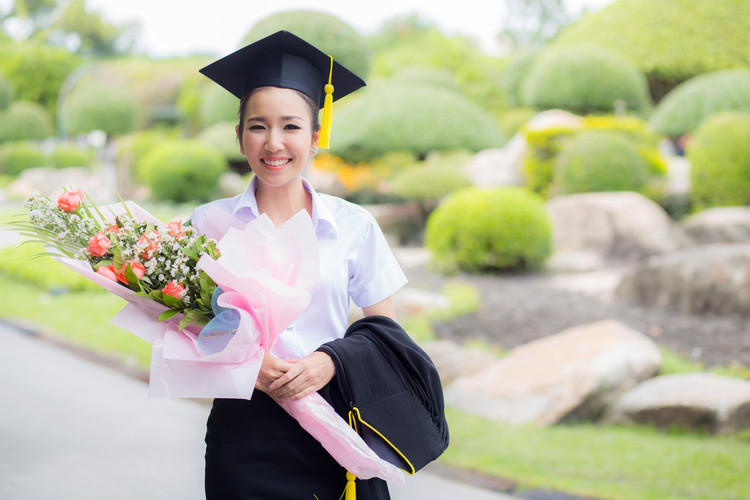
(74, 429)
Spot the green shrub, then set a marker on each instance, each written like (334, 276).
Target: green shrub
(476, 230)
(15, 157)
(514, 74)
(414, 118)
(69, 154)
(29, 263)
(182, 171)
(216, 106)
(669, 41)
(37, 71)
(431, 180)
(25, 121)
(222, 137)
(599, 160)
(428, 76)
(512, 120)
(584, 79)
(688, 105)
(133, 147)
(330, 34)
(544, 146)
(6, 93)
(719, 156)
(97, 107)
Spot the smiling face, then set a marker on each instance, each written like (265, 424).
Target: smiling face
(277, 135)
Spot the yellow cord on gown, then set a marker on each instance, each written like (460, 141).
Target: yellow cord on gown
(327, 119)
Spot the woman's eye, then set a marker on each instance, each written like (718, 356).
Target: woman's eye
(256, 127)
(292, 126)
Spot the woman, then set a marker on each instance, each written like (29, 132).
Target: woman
(254, 449)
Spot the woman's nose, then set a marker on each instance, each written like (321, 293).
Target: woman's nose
(273, 141)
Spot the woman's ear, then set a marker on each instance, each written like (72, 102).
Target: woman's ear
(239, 139)
(314, 144)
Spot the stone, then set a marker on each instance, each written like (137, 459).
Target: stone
(695, 401)
(595, 229)
(498, 167)
(453, 360)
(571, 375)
(706, 279)
(51, 182)
(719, 225)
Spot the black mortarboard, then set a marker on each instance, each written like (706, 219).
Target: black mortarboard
(287, 61)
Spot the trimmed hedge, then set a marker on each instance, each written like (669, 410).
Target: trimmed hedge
(688, 105)
(599, 160)
(221, 136)
(669, 41)
(6, 93)
(96, 107)
(15, 157)
(514, 74)
(217, 106)
(69, 154)
(414, 118)
(182, 171)
(719, 155)
(584, 79)
(428, 76)
(329, 33)
(25, 121)
(481, 230)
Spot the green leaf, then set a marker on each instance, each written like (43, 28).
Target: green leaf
(117, 260)
(168, 314)
(132, 279)
(172, 302)
(192, 317)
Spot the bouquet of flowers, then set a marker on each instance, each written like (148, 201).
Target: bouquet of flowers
(211, 304)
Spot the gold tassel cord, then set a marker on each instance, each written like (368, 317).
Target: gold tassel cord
(351, 487)
(326, 121)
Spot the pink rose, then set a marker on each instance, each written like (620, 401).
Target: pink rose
(108, 272)
(113, 228)
(137, 268)
(173, 289)
(70, 200)
(150, 246)
(175, 229)
(99, 244)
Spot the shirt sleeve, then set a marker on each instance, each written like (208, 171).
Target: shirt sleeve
(375, 274)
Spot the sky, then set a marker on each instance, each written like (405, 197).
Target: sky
(180, 27)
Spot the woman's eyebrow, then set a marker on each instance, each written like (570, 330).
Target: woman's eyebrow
(264, 120)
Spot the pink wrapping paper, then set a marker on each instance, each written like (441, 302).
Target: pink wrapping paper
(267, 275)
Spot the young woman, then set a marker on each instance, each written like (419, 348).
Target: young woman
(254, 449)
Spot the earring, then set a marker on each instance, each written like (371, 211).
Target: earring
(313, 151)
(242, 151)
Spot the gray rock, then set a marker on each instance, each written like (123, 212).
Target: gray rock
(697, 401)
(609, 227)
(719, 225)
(498, 167)
(707, 279)
(572, 375)
(453, 360)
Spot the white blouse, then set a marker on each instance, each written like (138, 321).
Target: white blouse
(355, 262)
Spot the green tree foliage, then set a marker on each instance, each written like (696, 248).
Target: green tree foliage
(97, 107)
(719, 155)
(585, 79)
(414, 118)
(480, 230)
(515, 72)
(599, 160)
(25, 121)
(6, 93)
(182, 171)
(669, 41)
(327, 32)
(217, 106)
(69, 154)
(222, 137)
(15, 157)
(37, 71)
(533, 23)
(693, 101)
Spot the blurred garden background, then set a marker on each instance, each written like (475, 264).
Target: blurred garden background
(470, 157)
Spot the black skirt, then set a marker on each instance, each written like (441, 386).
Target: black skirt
(256, 451)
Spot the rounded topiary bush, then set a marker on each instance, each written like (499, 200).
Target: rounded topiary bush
(329, 33)
(599, 160)
(719, 156)
(182, 170)
(69, 154)
(222, 137)
(689, 104)
(414, 118)
(514, 74)
(15, 157)
(585, 79)
(97, 107)
(428, 76)
(216, 106)
(24, 121)
(475, 230)
(6, 93)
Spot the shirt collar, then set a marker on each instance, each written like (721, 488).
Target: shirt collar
(322, 218)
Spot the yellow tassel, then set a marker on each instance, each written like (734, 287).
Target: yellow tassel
(325, 125)
(350, 492)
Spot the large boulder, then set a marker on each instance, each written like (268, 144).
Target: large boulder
(696, 401)
(572, 375)
(593, 229)
(707, 279)
(719, 225)
(453, 361)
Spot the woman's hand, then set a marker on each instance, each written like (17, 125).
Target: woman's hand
(305, 376)
(270, 370)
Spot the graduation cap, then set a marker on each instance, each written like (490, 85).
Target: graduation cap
(287, 61)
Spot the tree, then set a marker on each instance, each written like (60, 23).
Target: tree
(532, 23)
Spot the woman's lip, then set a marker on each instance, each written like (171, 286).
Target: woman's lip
(276, 163)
